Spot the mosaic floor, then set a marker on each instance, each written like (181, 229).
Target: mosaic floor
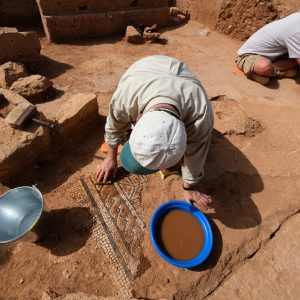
(118, 228)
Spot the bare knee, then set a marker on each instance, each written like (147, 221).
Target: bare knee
(264, 67)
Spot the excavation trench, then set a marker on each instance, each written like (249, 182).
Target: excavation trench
(98, 242)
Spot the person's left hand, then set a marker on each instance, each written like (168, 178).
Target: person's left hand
(204, 201)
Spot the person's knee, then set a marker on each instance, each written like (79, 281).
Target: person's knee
(263, 67)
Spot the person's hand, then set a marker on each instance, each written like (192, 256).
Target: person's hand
(107, 170)
(204, 201)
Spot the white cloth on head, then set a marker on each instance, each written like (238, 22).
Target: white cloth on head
(275, 39)
(158, 140)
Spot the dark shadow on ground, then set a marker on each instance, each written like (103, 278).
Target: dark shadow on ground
(231, 179)
(49, 68)
(297, 79)
(51, 94)
(216, 252)
(112, 39)
(5, 254)
(273, 84)
(64, 231)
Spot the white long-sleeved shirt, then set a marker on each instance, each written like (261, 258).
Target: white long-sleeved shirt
(162, 79)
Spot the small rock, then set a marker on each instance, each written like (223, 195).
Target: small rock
(32, 87)
(21, 281)
(66, 273)
(101, 274)
(133, 36)
(10, 72)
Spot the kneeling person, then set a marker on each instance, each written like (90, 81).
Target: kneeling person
(272, 51)
(172, 119)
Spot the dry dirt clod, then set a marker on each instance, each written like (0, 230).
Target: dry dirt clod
(66, 273)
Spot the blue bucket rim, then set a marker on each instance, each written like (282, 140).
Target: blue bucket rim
(206, 227)
(38, 217)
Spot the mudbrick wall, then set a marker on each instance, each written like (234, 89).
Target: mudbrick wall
(76, 19)
(19, 12)
(237, 18)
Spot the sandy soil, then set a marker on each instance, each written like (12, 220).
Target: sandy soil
(252, 173)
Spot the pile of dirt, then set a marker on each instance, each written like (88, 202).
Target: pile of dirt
(240, 19)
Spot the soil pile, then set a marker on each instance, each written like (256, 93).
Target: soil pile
(240, 19)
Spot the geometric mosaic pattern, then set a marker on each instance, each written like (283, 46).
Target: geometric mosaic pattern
(118, 230)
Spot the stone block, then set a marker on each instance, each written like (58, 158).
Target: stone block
(12, 97)
(33, 88)
(70, 7)
(19, 46)
(72, 27)
(10, 72)
(78, 112)
(20, 149)
(133, 36)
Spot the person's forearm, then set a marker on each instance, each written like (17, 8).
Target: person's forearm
(112, 152)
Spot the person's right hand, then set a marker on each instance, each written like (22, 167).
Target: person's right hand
(107, 170)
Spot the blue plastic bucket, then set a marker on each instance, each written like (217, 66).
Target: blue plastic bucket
(20, 210)
(189, 208)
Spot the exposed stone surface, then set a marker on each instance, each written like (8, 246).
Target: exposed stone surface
(19, 149)
(79, 111)
(133, 36)
(278, 277)
(19, 46)
(11, 97)
(32, 88)
(10, 72)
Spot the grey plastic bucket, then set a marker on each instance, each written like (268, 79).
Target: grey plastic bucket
(20, 210)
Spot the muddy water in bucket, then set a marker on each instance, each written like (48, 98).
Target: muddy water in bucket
(180, 235)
